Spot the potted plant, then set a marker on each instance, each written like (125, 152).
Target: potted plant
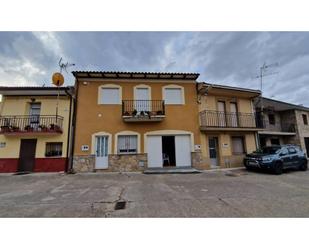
(142, 113)
(28, 128)
(43, 127)
(5, 128)
(159, 112)
(134, 112)
(15, 128)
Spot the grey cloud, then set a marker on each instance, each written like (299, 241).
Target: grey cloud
(231, 58)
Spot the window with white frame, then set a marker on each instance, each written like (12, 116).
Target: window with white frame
(110, 95)
(173, 95)
(238, 147)
(127, 144)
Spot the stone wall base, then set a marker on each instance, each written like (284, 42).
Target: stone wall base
(127, 163)
(83, 163)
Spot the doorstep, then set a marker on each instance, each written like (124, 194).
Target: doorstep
(171, 170)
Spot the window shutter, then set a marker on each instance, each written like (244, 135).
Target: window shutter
(237, 145)
(173, 96)
(109, 96)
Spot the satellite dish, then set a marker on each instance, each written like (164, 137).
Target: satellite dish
(58, 79)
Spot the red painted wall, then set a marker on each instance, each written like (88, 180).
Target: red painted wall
(8, 165)
(49, 164)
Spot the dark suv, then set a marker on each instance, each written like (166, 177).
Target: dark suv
(277, 158)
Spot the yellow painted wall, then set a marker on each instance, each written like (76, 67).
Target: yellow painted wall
(93, 118)
(210, 102)
(225, 153)
(20, 106)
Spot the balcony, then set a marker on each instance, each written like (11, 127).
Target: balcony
(143, 110)
(23, 125)
(214, 120)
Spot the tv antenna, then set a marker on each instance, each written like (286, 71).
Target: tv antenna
(264, 73)
(64, 65)
(58, 81)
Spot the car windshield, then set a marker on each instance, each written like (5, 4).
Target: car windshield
(271, 150)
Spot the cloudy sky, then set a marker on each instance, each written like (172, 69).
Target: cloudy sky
(229, 58)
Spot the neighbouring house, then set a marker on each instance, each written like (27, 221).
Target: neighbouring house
(33, 137)
(228, 124)
(131, 121)
(285, 123)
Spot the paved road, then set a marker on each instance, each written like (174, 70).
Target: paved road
(236, 193)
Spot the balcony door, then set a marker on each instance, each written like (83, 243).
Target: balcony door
(142, 97)
(35, 110)
(221, 114)
(234, 114)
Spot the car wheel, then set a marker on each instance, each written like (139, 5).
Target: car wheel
(303, 166)
(248, 168)
(278, 168)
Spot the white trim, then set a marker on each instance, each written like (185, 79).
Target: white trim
(142, 86)
(168, 132)
(109, 86)
(101, 133)
(128, 133)
(173, 86)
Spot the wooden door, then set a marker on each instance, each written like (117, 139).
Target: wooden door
(27, 155)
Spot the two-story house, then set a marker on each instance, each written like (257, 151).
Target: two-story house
(132, 121)
(228, 124)
(285, 123)
(34, 137)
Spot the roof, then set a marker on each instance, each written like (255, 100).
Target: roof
(207, 87)
(33, 90)
(134, 75)
(280, 105)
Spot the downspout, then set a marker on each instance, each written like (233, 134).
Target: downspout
(68, 157)
(73, 126)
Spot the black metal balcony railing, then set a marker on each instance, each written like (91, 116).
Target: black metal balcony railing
(31, 123)
(230, 119)
(140, 108)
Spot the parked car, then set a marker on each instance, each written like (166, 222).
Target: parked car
(277, 158)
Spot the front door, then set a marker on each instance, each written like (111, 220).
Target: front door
(142, 97)
(101, 156)
(27, 155)
(213, 151)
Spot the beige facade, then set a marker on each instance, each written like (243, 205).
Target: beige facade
(227, 120)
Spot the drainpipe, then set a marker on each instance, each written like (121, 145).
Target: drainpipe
(70, 168)
(68, 158)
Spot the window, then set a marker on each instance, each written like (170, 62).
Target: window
(127, 144)
(305, 120)
(238, 145)
(271, 119)
(275, 141)
(53, 149)
(173, 96)
(110, 96)
(291, 150)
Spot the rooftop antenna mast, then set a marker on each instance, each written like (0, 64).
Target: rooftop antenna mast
(264, 73)
(58, 80)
